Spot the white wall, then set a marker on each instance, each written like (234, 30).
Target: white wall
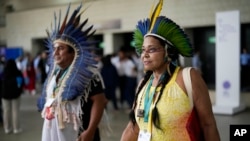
(23, 26)
(3, 35)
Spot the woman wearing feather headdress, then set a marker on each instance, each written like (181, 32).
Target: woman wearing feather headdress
(171, 103)
(73, 101)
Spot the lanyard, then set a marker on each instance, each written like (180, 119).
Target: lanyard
(149, 98)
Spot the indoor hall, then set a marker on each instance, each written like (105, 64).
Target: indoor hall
(31, 121)
(196, 17)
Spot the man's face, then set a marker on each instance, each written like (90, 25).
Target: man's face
(62, 56)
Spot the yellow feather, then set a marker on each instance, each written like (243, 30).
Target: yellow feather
(154, 14)
(151, 10)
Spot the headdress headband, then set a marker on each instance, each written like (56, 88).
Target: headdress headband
(71, 33)
(164, 29)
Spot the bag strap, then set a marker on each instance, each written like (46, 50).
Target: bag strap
(188, 84)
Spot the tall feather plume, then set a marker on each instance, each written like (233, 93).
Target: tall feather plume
(64, 21)
(73, 16)
(77, 19)
(154, 14)
(55, 22)
(83, 10)
(59, 21)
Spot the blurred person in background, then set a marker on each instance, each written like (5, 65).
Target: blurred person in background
(131, 72)
(127, 71)
(31, 76)
(245, 70)
(119, 61)
(110, 78)
(35, 63)
(196, 61)
(42, 66)
(11, 89)
(2, 62)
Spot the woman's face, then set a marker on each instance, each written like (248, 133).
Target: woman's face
(153, 54)
(62, 56)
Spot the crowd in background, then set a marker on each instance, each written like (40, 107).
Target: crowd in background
(34, 70)
(121, 72)
(24, 74)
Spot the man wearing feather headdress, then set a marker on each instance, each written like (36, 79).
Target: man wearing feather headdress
(72, 101)
(171, 103)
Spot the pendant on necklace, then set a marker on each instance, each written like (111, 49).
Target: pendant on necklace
(140, 113)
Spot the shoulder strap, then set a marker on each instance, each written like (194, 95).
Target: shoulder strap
(188, 83)
(174, 75)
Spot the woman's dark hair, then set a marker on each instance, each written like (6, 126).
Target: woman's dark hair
(171, 50)
(163, 83)
(173, 54)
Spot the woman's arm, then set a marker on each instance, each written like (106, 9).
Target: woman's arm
(203, 106)
(130, 133)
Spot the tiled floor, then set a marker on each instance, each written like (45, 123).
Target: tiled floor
(31, 122)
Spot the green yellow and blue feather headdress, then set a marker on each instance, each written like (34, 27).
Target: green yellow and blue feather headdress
(76, 35)
(162, 28)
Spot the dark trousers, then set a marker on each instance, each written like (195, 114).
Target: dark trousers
(111, 95)
(245, 76)
(131, 83)
(122, 87)
(97, 136)
(1, 111)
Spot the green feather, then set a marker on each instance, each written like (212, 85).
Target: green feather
(175, 35)
(138, 40)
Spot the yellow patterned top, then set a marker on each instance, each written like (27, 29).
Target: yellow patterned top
(174, 110)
